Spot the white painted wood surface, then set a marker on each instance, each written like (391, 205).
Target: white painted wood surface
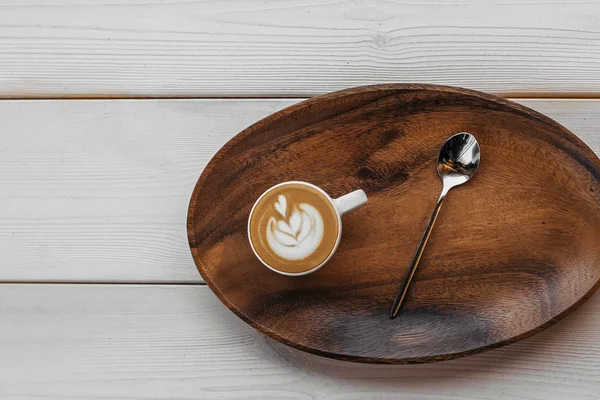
(97, 191)
(178, 342)
(294, 47)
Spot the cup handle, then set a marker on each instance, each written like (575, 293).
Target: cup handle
(350, 201)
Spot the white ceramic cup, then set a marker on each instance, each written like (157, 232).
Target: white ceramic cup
(341, 205)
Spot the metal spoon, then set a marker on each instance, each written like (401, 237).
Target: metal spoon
(457, 163)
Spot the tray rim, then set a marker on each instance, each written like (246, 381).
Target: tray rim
(259, 125)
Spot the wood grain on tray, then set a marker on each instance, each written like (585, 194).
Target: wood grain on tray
(514, 249)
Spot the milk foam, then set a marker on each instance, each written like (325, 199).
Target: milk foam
(297, 233)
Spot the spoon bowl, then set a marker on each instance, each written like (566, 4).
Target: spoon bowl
(458, 160)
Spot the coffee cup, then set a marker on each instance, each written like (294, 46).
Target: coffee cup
(295, 227)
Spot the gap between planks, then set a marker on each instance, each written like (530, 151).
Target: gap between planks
(298, 96)
(101, 283)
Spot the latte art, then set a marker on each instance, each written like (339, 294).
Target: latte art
(297, 233)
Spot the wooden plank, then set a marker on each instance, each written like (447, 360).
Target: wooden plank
(179, 342)
(294, 47)
(97, 191)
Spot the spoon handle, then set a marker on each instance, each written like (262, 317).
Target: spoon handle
(415, 261)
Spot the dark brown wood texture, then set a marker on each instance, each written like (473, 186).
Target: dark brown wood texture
(513, 250)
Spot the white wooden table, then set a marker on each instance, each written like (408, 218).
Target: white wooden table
(112, 108)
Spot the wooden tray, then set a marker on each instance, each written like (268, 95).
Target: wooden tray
(513, 250)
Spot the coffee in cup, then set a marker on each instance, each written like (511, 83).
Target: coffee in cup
(295, 227)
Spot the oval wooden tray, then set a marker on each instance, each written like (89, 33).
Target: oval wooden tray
(513, 250)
